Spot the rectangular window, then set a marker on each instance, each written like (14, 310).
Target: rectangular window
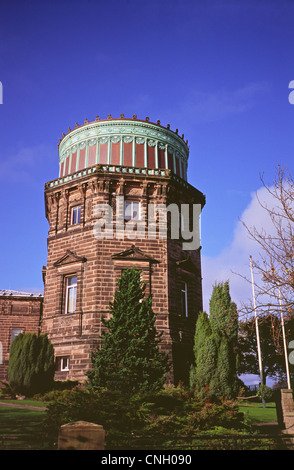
(62, 363)
(75, 215)
(132, 210)
(184, 298)
(15, 332)
(70, 294)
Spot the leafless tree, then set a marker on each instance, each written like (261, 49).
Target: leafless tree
(274, 268)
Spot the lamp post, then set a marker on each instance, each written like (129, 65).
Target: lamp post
(257, 332)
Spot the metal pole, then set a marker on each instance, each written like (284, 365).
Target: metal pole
(257, 330)
(284, 341)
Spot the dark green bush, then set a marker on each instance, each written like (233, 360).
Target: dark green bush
(6, 390)
(31, 364)
(110, 409)
(169, 412)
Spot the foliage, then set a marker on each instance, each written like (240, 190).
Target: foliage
(265, 392)
(223, 314)
(205, 354)
(31, 364)
(215, 347)
(209, 415)
(129, 359)
(223, 383)
(110, 409)
(6, 390)
(169, 412)
(271, 344)
(273, 266)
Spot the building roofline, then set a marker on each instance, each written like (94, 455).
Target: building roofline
(123, 118)
(15, 293)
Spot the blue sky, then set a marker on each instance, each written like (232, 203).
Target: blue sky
(217, 70)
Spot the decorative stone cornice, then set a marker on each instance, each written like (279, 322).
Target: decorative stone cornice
(116, 130)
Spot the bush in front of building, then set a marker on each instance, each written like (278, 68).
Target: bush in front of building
(107, 408)
(31, 364)
(171, 412)
(130, 358)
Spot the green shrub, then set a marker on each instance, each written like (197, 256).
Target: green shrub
(265, 393)
(210, 415)
(110, 409)
(130, 358)
(31, 364)
(170, 412)
(6, 390)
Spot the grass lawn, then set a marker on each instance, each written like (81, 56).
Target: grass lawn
(256, 413)
(22, 429)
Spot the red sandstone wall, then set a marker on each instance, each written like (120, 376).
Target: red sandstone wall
(17, 312)
(74, 335)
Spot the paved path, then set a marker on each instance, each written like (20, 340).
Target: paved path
(27, 407)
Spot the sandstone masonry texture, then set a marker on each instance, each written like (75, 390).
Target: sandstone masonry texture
(98, 263)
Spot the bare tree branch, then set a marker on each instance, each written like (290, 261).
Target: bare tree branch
(274, 268)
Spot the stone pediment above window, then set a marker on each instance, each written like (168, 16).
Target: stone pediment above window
(134, 257)
(134, 254)
(69, 259)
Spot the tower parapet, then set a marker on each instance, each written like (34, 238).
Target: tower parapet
(125, 142)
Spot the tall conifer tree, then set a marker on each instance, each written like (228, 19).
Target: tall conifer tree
(205, 354)
(129, 359)
(224, 324)
(215, 346)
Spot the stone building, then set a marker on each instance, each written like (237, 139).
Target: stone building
(20, 312)
(113, 173)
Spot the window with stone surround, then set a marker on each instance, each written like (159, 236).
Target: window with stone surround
(132, 210)
(75, 215)
(70, 294)
(62, 363)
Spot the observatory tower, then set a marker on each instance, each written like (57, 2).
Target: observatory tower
(111, 172)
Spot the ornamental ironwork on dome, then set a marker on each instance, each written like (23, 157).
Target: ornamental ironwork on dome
(123, 142)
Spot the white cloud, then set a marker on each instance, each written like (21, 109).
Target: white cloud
(235, 258)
